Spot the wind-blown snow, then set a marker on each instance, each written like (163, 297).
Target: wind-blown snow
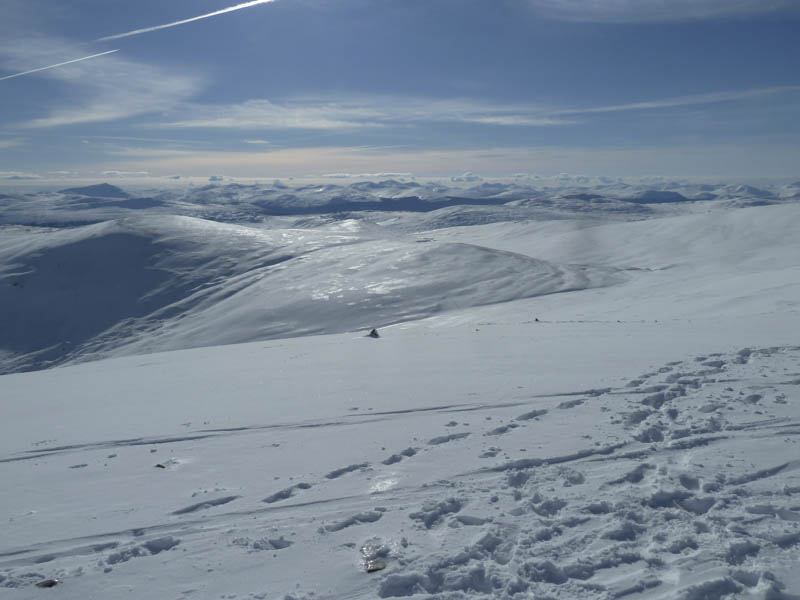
(633, 436)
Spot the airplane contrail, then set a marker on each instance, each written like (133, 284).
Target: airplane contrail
(69, 62)
(184, 21)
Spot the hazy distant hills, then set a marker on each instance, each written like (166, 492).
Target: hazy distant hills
(444, 202)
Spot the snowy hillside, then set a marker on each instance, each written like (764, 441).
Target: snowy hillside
(156, 283)
(582, 392)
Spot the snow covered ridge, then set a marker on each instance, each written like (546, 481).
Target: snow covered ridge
(151, 283)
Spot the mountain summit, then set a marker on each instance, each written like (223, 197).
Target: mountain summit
(101, 190)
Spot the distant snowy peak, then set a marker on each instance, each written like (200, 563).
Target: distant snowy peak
(657, 197)
(101, 190)
(790, 191)
(745, 191)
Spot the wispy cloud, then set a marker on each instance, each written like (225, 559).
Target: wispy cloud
(184, 21)
(150, 153)
(268, 115)
(385, 112)
(358, 113)
(761, 158)
(144, 140)
(125, 174)
(513, 120)
(631, 11)
(61, 64)
(690, 100)
(110, 89)
(386, 175)
(18, 176)
(11, 143)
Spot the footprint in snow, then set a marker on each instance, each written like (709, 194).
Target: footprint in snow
(360, 518)
(286, 493)
(263, 544)
(443, 439)
(205, 505)
(571, 403)
(396, 458)
(502, 429)
(534, 414)
(431, 513)
(336, 473)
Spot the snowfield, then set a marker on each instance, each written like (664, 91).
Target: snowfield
(581, 392)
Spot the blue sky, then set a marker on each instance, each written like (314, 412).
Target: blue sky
(431, 87)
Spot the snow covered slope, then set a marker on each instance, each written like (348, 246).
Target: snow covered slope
(475, 460)
(715, 262)
(634, 437)
(155, 283)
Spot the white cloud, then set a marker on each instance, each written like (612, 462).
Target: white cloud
(257, 142)
(107, 89)
(627, 11)
(358, 113)
(761, 157)
(466, 178)
(267, 115)
(515, 120)
(125, 174)
(691, 100)
(366, 175)
(11, 143)
(385, 111)
(155, 153)
(127, 138)
(18, 176)
(397, 111)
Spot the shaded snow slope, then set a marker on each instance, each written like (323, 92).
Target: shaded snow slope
(155, 283)
(64, 288)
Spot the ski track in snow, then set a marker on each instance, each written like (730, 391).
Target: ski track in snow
(677, 492)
